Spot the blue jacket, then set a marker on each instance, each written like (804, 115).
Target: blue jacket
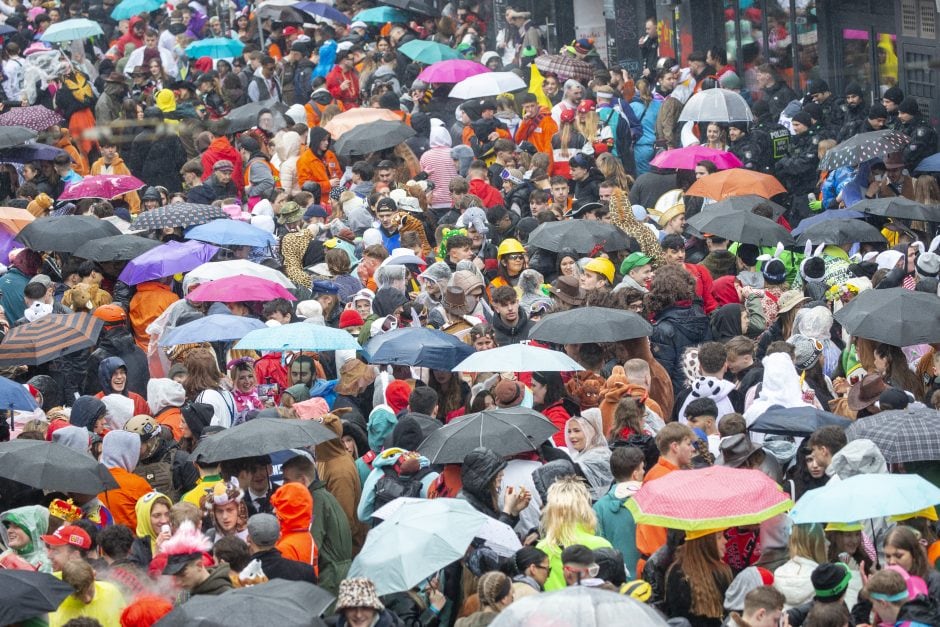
(615, 523)
(11, 285)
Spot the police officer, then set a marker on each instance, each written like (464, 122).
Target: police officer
(773, 138)
(923, 137)
(891, 100)
(819, 128)
(854, 108)
(797, 170)
(875, 120)
(832, 116)
(746, 147)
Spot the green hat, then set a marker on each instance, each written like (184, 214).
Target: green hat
(530, 51)
(290, 212)
(635, 260)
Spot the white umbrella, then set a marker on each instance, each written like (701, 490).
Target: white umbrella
(716, 105)
(518, 358)
(214, 270)
(487, 84)
(70, 30)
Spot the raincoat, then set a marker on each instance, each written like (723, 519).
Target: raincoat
(293, 506)
(34, 520)
(120, 452)
(145, 544)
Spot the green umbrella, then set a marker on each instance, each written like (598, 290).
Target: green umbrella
(428, 52)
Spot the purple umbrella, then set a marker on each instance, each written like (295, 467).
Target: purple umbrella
(105, 186)
(166, 260)
(36, 117)
(451, 71)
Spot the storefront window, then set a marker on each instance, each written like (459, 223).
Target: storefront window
(779, 38)
(807, 42)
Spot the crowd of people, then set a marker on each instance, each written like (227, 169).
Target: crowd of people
(434, 232)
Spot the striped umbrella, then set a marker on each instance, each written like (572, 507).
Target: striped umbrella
(48, 338)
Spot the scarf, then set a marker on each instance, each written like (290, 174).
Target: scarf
(246, 401)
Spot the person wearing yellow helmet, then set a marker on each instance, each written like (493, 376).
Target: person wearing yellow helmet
(598, 274)
(510, 262)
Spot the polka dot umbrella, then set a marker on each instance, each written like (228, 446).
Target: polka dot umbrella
(863, 147)
(35, 117)
(182, 214)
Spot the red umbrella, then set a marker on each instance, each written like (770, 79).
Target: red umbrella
(716, 497)
(240, 288)
(688, 157)
(107, 186)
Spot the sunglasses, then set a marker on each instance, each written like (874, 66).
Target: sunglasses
(515, 257)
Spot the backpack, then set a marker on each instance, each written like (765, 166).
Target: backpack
(392, 485)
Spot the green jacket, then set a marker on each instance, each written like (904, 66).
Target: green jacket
(556, 580)
(616, 524)
(331, 532)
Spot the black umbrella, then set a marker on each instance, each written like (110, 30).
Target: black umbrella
(15, 135)
(898, 207)
(246, 116)
(863, 147)
(417, 346)
(415, 6)
(64, 234)
(581, 235)
(796, 421)
(740, 226)
(590, 324)
(506, 432)
(176, 214)
(115, 248)
(261, 436)
(840, 232)
(903, 435)
(746, 202)
(278, 602)
(53, 467)
(373, 136)
(895, 316)
(26, 594)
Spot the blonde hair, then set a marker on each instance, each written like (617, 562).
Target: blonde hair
(825, 146)
(568, 506)
(808, 541)
(611, 167)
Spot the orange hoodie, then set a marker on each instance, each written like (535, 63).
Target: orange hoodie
(617, 388)
(293, 506)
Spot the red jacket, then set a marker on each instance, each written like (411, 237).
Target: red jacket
(558, 416)
(221, 149)
(269, 369)
(486, 192)
(129, 37)
(703, 286)
(349, 96)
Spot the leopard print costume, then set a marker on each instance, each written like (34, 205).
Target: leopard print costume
(621, 216)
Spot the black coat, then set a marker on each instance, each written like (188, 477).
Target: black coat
(797, 171)
(276, 566)
(923, 141)
(158, 159)
(480, 467)
(674, 330)
(778, 97)
(505, 334)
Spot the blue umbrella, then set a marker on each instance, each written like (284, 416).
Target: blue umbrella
(298, 336)
(30, 152)
(825, 216)
(166, 260)
(930, 164)
(381, 15)
(70, 30)
(417, 346)
(225, 232)
(214, 328)
(323, 10)
(14, 396)
(129, 8)
(865, 496)
(215, 48)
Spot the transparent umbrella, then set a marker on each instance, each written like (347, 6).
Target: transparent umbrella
(578, 605)
(716, 105)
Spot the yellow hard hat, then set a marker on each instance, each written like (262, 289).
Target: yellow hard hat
(508, 247)
(601, 266)
(850, 526)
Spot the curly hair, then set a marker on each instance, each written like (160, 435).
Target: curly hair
(671, 283)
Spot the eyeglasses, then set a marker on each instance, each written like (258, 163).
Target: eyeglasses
(515, 257)
(590, 571)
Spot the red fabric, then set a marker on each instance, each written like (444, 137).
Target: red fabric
(486, 192)
(558, 416)
(396, 395)
(703, 286)
(349, 96)
(129, 37)
(268, 369)
(724, 291)
(221, 149)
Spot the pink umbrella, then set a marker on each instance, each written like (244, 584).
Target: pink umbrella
(239, 288)
(107, 186)
(687, 158)
(451, 71)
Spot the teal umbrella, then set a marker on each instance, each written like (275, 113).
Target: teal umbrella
(215, 48)
(129, 8)
(70, 30)
(865, 496)
(415, 542)
(428, 52)
(381, 15)
(298, 336)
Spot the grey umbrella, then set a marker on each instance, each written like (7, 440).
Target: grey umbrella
(863, 147)
(53, 467)
(741, 226)
(261, 436)
(590, 324)
(903, 435)
(895, 316)
(115, 248)
(368, 138)
(716, 105)
(15, 135)
(898, 207)
(246, 116)
(581, 235)
(840, 232)
(796, 421)
(506, 432)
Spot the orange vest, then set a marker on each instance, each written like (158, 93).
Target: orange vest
(315, 111)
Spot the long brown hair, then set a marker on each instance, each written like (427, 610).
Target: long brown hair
(202, 372)
(703, 569)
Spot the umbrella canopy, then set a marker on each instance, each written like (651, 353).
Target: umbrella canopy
(70, 30)
(246, 116)
(895, 316)
(487, 84)
(14, 396)
(688, 157)
(298, 336)
(903, 435)
(863, 147)
(381, 15)
(323, 11)
(415, 6)
(26, 594)
(518, 358)
(716, 497)
(13, 219)
(277, 602)
(427, 52)
(216, 270)
(898, 207)
(261, 436)
(426, 535)
(48, 338)
(214, 328)
(231, 233)
(348, 120)
(30, 152)
(417, 346)
(115, 248)
(590, 324)
(64, 234)
(796, 421)
(15, 135)
(825, 216)
(498, 535)
(740, 226)
(506, 432)
(129, 8)
(930, 164)
(176, 214)
(105, 186)
(840, 232)
(565, 67)
(166, 260)
(581, 235)
(850, 500)
(239, 289)
(736, 182)
(452, 71)
(215, 48)
(53, 467)
(747, 202)
(373, 136)
(35, 117)
(716, 105)
(284, 14)
(578, 605)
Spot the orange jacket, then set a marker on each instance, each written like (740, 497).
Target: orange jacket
(151, 300)
(313, 168)
(538, 131)
(122, 500)
(315, 111)
(468, 133)
(648, 537)
(293, 506)
(79, 161)
(119, 167)
(617, 388)
(172, 419)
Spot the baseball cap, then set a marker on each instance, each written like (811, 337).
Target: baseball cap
(71, 535)
(264, 529)
(634, 260)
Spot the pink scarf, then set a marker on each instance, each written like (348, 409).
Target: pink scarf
(246, 401)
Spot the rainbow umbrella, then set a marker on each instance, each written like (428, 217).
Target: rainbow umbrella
(716, 497)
